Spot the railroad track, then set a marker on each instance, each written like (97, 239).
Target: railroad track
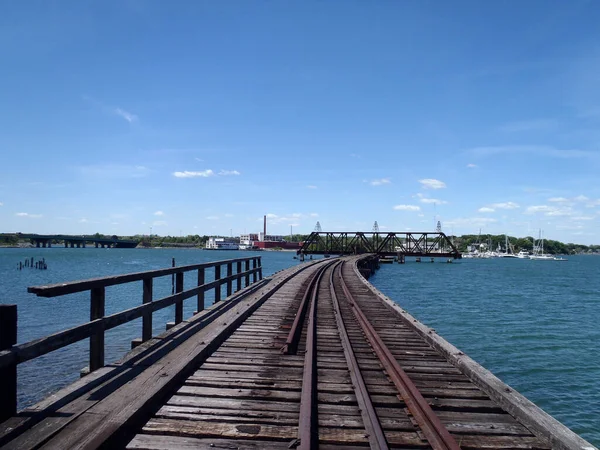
(339, 320)
(325, 364)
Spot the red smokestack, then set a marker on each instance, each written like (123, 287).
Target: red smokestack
(265, 227)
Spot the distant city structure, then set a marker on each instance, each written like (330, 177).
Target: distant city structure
(215, 243)
(253, 241)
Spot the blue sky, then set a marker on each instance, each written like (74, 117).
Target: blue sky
(201, 117)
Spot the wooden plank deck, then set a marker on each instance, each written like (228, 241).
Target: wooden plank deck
(220, 380)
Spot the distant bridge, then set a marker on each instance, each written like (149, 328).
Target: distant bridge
(424, 244)
(46, 240)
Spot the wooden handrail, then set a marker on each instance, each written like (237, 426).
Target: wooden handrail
(13, 355)
(21, 353)
(55, 290)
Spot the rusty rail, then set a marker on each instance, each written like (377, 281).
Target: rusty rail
(373, 427)
(308, 433)
(434, 431)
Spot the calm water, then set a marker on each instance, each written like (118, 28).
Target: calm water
(532, 323)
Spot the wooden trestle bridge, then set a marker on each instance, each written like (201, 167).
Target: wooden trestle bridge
(311, 357)
(425, 244)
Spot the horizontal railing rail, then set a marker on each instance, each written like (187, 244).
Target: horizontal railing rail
(12, 354)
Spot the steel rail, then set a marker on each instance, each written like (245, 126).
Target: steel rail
(371, 422)
(434, 431)
(291, 343)
(308, 425)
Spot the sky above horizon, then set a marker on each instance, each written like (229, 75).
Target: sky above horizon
(175, 118)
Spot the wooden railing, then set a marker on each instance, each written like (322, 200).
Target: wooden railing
(11, 354)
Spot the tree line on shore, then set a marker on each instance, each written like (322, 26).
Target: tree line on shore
(461, 242)
(517, 244)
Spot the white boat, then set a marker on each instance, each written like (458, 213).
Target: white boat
(508, 250)
(523, 254)
(538, 252)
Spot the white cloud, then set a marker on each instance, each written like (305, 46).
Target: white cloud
(229, 215)
(204, 173)
(581, 198)
(558, 200)
(506, 205)
(199, 159)
(129, 117)
(539, 208)
(159, 223)
(271, 216)
(188, 174)
(114, 171)
(314, 215)
(430, 183)
(424, 199)
(31, 216)
(471, 166)
(540, 150)
(311, 186)
(159, 213)
(1, 204)
(485, 209)
(583, 218)
(529, 125)
(469, 222)
(228, 172)
(560, 212)
(380, 182)
(83, 220)
(549, 210)
(407, 208)
(212, 218)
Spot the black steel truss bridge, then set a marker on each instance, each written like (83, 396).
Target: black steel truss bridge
(425, 244)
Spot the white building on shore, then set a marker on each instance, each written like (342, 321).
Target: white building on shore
(215, 243)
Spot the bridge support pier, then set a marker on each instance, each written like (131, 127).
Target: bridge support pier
(96, 244)
(66, 244)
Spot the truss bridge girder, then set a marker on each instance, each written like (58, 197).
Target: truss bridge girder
(422, 244)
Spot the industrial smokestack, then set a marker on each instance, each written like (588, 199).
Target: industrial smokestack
(265, 226)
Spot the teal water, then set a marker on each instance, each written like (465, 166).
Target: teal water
(38, 316)
(532, 323)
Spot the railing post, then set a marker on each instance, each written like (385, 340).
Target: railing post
(8, 375)
(239, 279)
(247, 274)
(97, 339)
(179, 303)
(254, 266)
(218, 287)
(229, 281)
(260, 275)
(200, 306)
(147, 317)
